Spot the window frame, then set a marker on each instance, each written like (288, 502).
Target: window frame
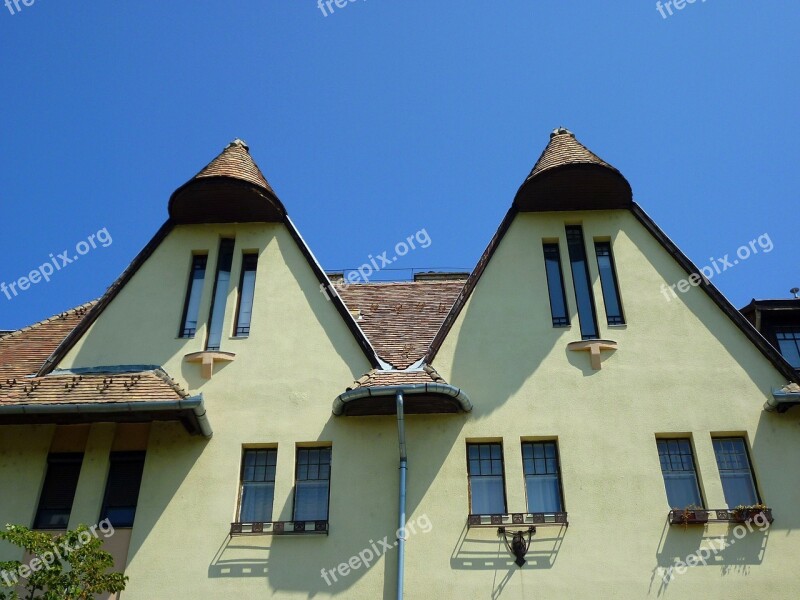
(298, 451)
(242, 482)
(54, 458)
(190, 288)
(610, 283)
(554, 442)
(224, 253)
(783, 330)
(554, 249)
(237, 321)
(126, 456)
(502, 475)
(746, 446)
(695, 471)
(576, 249)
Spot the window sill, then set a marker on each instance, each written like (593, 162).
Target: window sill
(508, 519)
(280, 528)
(714, 515)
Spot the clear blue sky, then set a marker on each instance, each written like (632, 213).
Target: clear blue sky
(391, 116)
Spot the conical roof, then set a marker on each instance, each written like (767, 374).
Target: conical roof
(231, 188)
(569, 176)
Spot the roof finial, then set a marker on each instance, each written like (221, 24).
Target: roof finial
(239, 142)
(561, 131)
(795, 291)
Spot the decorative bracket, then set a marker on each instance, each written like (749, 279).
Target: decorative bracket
(207, 360)
(593, 347)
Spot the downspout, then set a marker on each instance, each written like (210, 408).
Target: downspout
(401, 526)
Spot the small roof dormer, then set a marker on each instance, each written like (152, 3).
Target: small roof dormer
(230, 189)
(568, 176)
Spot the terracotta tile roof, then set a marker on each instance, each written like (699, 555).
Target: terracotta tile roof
(377, 378)
(235, 162)
(564, 149)
(135, 386)
(401, 318)
(23, 352)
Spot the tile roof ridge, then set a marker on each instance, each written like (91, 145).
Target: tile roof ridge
(83, 309)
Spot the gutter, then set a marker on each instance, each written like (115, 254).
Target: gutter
(194, 403)
(445, 389)
(781, 401)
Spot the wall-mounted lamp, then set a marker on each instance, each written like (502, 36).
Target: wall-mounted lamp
(518, 546)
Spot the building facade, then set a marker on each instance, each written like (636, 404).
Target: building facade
(550, 426)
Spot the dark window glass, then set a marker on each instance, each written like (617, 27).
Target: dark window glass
(220, 295)
(789, 345)
(194, 292)
(247, 288)
(555, 285)
(735, 471)
(122, 488)
(580, 279)
(487, 492)
(680, 477)
(312, 484)
(58, 492)
(258, 485)
(542, 478)
(608, 280)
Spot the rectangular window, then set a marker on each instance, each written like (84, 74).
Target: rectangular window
(580, 279)
(789, 344)
(312, 484)
(542, 477)
(220, 295)
(734, 469)
(680, 476)
(247, 288)
(122, 488)
(58, 492)
(608, 281)
(555, 285)
(258, 485)
(487, 490)
(194, 292)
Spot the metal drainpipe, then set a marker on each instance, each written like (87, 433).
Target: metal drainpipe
(401, 528)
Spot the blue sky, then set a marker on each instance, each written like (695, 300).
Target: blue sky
(387, 117)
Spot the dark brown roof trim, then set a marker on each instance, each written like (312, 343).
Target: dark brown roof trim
(111, 293)
(470, 284)
(747, 328)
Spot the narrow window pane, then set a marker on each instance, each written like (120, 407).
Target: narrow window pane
(542, 476)
(608, 281)
(580, 279)
(312, 484)
(58, 491)
(221, 284)
(194, 292)
(258, 485)
(789, 345)
(735, 471)
(680, 477)
(122, 488)
(555, 285)
(247, 288)
(486, 479)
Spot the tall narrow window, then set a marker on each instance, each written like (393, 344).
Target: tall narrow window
(580, 279)
(221, 284)
(608, 280)
(247, 287)
(487, 490)
(680, 476)
(789, 344)
(258, 485)
(58, 492)
(194, 292)
(555, 285)
(542, 477)
(735, 471)
(122, 488)
(312, 484)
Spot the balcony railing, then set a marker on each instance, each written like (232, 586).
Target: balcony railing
(698, 516)
(510, 519)
(280, 528)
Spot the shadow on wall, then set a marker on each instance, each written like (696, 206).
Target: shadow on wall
(731, 548)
